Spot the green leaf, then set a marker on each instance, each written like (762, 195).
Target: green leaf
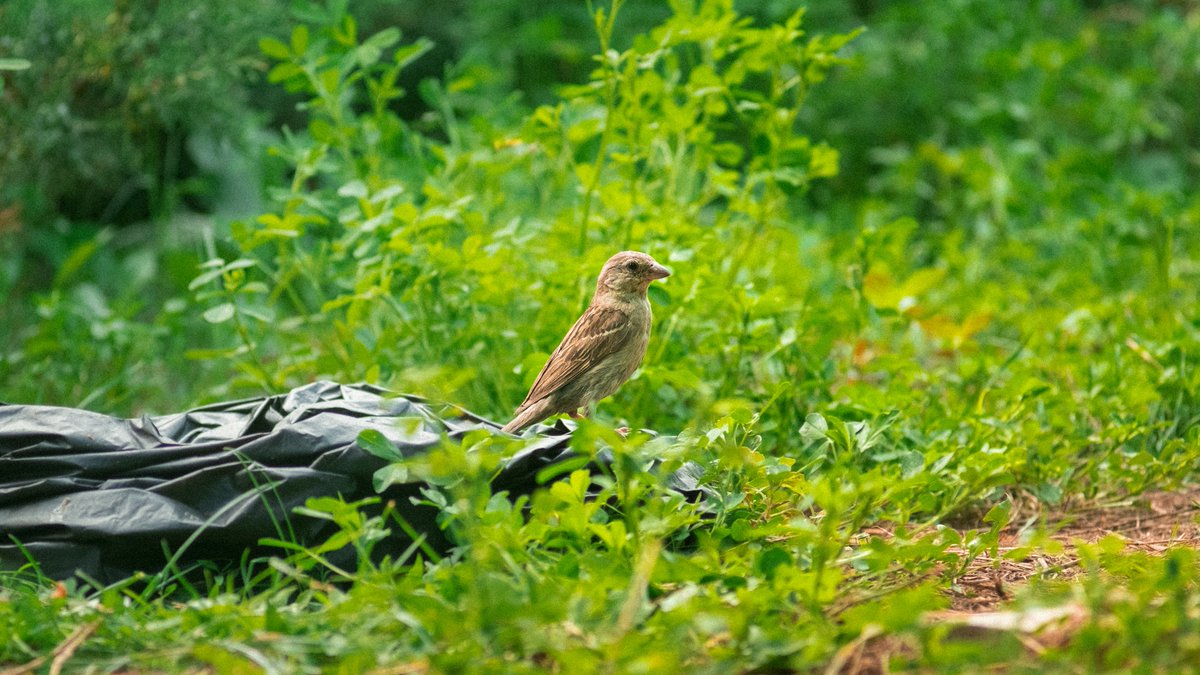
(409, 53)
(355, 188)
(374, 442)
(392, 474)
(729, 154)
(997, 516)
(220, 314)
(299, 39)
(262, 316)
(741, 530)
(559, 468)
(204, 278)
(770, 559)
(274, 48)
(384, 38)
(78, 258)
(283, 71)
(815, 428)
(240, 263)
(839, 434)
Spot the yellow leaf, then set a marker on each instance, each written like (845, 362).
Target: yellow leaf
(922, 280)
(940, 326)
(975, 323)
(880, 289)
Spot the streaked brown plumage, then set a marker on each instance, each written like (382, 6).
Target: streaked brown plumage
(604, 346)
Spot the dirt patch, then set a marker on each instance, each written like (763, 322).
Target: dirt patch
(1152, 522)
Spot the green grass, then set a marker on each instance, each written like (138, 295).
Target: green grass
(933, 283)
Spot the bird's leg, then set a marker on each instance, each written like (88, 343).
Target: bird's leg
(576, 415)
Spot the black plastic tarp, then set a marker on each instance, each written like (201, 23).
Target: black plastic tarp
(80, 491)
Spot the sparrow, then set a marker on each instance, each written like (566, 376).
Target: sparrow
(602, 349)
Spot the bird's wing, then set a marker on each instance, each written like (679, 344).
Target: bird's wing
(597, 334)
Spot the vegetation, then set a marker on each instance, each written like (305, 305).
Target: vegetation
(935, 287)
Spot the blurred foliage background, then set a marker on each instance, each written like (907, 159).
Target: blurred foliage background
(964, 213)
(936, 268)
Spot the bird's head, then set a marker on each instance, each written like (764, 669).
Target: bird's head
(630, 272)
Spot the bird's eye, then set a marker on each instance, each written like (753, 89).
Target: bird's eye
(631, 265)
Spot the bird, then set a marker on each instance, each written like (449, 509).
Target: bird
(603, 348)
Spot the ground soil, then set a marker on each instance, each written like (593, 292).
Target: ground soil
(1152, 522)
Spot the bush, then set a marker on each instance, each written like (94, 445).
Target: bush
(403, 251)
(98, 126)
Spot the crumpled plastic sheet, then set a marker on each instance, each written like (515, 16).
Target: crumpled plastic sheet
(85, 492)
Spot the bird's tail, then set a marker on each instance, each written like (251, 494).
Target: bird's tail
(527, 416)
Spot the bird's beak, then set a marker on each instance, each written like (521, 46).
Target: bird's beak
(659, 272)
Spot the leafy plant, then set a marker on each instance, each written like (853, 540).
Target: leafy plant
(932, 286)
